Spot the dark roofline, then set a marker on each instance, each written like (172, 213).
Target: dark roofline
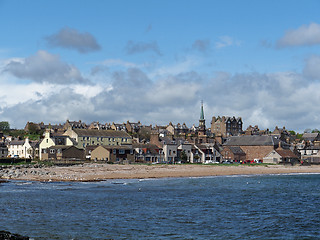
(100, 133)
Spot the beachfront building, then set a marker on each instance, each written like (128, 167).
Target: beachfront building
(15, 148)
(52, 139)
(185, 152)
(115, 154)
(233, 153)
(205, 153)
(22, 149)
(310, 154)
(254, 146)
(148, 153)
(281, 155)
(87, 137)
(170, 152)
(63, 152)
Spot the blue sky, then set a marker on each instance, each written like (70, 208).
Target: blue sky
(154, 61)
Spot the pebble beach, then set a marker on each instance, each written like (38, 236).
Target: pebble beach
(100, 172)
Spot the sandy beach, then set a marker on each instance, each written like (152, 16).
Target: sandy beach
(98, 172)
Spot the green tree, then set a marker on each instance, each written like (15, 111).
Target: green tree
(33, 128)
(183, 157)
(4, 126)
(299, 136)
(293, 133)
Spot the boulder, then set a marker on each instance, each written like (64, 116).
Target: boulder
(4, 235)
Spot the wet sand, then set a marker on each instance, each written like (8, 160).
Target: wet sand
(99, 172)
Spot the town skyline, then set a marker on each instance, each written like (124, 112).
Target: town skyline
(155, 61)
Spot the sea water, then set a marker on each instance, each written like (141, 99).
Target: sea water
(224, 207)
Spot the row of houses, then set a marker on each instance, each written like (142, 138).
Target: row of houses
(220, 126)
(119, 146)
(225, 141)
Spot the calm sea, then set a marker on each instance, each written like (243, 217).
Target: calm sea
(240, 207)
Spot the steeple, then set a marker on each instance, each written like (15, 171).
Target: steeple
(202, 112)
(202, 121)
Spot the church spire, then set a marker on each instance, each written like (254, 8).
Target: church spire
(202, 112)
(202, 123)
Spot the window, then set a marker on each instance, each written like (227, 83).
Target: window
(131, 151)
(121, 151)
(51, 151)
(114, 151)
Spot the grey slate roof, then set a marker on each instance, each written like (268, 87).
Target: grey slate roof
(17, 142)
(252, 140)
(236, 150)
(101, 133)
(310, 136)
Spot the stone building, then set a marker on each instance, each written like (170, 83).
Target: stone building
(233, 153)
(86, 137)
(254, 146)
(226, 126)
(116, 154)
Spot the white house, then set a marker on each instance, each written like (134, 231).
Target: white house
(170, 152)
(206, 152)
(21, 148)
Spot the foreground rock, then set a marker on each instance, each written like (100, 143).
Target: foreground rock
(4, 235)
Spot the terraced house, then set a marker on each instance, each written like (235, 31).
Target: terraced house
(86, 137)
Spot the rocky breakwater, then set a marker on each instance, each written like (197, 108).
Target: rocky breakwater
(4, 235)
(21, 171)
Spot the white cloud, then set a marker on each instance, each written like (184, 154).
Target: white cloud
(312, 67)
(118, 62)
(169, 94)
(306, 35)
(185, 65)
(226, 41)
(140, 47)
(72, 39)
(44, 67)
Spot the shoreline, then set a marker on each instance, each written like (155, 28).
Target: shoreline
(100, 172)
